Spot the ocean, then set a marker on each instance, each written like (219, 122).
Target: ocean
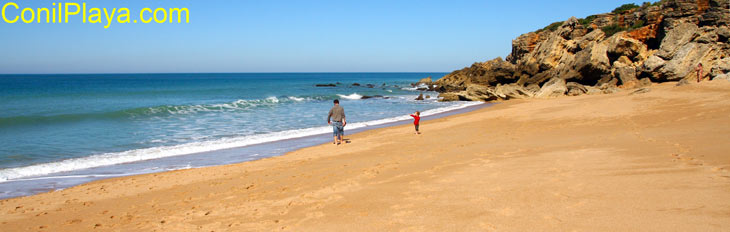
(58, 131)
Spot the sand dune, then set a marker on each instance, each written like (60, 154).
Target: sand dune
(655, 161)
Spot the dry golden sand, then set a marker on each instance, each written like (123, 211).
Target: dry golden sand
(656, 161)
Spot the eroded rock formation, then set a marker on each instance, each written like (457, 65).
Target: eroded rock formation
(626, 49)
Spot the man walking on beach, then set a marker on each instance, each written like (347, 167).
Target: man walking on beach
(337, 114)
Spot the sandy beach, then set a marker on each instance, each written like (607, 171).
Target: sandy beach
(655, 161)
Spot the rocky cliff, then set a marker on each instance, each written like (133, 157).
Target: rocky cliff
(627, 48)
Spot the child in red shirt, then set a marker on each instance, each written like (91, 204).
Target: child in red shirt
(416, 118)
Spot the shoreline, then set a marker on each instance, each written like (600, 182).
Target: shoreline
(653, 161)
(45, 183)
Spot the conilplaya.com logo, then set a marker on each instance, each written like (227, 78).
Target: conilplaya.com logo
(65, 12)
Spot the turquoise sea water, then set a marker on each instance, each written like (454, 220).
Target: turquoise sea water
(54, 125)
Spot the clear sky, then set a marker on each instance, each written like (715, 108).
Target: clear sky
(285, 36)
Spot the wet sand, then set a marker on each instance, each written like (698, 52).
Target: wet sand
(656, 161)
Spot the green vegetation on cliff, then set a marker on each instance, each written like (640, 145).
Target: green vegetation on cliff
(552, 27)
(615, 28)
(619, 10)
(638, 24)
(625, 7)
(587, 21)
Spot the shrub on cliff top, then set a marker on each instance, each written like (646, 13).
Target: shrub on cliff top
(625, 7)
(587, 21)
(658, 3)
(552, 27)
(648, 4)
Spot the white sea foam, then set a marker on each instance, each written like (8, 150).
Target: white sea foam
(353, 96)
(106, 159)
(272, 99)
(297, 98)
(221, 107)
(419, 86)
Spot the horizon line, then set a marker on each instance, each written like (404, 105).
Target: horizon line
(136, 73)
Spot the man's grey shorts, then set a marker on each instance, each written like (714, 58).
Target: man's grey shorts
(338, 129)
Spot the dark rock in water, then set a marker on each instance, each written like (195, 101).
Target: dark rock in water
(383, 85)
(420, 97)
(325, 85)
(640, 91)
(422, 89)
(428, 96)
(396, 86)
(356, 84)
(374, 96)
(338, 83)
(370, 86)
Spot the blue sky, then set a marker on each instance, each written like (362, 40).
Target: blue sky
(285, 36)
